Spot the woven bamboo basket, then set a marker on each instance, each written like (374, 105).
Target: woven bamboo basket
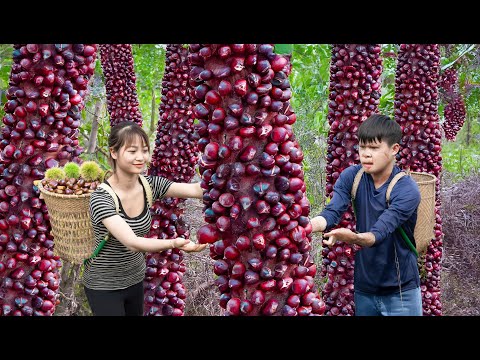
(424, 230)
(71, 226)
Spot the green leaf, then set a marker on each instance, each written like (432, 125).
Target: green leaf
(283, 48)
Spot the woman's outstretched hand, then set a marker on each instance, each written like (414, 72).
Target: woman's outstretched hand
(188, 245)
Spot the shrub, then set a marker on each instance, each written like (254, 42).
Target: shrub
(461, 247)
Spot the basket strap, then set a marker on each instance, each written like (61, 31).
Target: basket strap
(392, 184)
(353, 193)
(406, 239)
(100, 246)
(146, 185)
(356, 182)
(108, 189)
(148, 190)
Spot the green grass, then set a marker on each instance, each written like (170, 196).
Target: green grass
(461, 159)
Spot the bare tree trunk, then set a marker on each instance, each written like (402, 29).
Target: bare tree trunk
(469, 129)
(73, 301)
(92, 142)
(154, 110)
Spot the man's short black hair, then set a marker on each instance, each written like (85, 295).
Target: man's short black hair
(378, 128)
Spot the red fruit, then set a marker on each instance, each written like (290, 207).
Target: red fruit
(212, 97)
(233, 306)
(299, 286)
(242, 243)
(270, 307)
(231, 253)
(223, 223)
(207, 234)
(246, 307)
(242, 104)
(278, 62)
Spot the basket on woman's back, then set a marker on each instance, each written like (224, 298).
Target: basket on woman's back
(66, 192)
(71, 226)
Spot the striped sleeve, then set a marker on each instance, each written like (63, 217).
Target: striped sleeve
(160, 186)
(102, 206)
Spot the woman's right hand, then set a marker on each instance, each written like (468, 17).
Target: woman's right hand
(188, 245)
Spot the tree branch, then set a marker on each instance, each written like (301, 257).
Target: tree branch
(96, 148)
(152, 117)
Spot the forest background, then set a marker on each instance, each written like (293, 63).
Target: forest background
(310, 84)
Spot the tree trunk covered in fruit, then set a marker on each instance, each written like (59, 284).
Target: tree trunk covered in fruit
(354, 95)
(174, 157)
(46, 95)
(416, 110)
(118, 70)
(454, 111)
(254, 193)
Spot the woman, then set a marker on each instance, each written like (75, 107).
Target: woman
(113, 280)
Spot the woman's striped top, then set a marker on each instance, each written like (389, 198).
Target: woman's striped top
(117, 267)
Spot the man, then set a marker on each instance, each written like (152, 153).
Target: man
(386, 278)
